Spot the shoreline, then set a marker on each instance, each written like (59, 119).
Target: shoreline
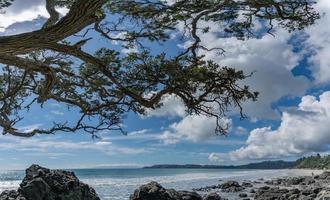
(119, 188)
(309, 184)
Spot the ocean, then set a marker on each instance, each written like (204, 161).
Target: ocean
(118, 184)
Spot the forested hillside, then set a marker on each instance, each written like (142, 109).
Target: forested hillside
(314, 162)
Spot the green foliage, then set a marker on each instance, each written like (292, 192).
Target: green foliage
(105, 84)
(314, 162)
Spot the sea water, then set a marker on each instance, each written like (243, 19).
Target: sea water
(118, 184)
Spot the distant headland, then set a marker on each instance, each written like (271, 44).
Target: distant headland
(312, 162)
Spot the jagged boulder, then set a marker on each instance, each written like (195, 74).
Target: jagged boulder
(323, 195)
(267, 193)
(153, 191)
(231, 186)
(45, 184)
(11, 195)
(324, 175)
(213, 196)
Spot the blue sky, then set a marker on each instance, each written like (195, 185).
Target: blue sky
(290, 119)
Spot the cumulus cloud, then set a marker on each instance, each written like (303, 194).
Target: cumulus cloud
(216, 157)
(240, 130)
(304, 130)
(172, 106)
(271, 59)
(23, 11)
(193, 128)
(319, 43)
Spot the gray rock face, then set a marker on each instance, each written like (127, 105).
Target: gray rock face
(231, 186)
(154, 191)
(247, 184)
(11, 195)
(266, 193)
(323, 195)
(324, 175)
(213, 196)
(44, 184)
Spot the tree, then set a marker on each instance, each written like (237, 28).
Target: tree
(44, 65)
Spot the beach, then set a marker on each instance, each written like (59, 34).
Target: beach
(119, 184)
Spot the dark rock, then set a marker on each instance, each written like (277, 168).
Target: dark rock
(324, 175)
(212, 196)
(274, 182)
(242, 195)
(153, 191)
(264, 188)
(207, 188)
(317, 190)
(306, 192)
(231, 186)
(294, 181)
(185, 195)
(271, 194)
(247, 184)
(294, 191)
(45, 184)
(11, 195)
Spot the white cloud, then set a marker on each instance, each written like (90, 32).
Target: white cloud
(169, 138)
(48, 144)
(304, 130)
(172, 107)
(195, 128)
(25, 15)
(215, 157)
(23, 11)
(139, 132)
(240, 130)
(319, 42)
(271, 58)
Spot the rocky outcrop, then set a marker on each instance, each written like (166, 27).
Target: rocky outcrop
(285, 188)
(213, 196)
(154, 191)
(267, 193)
(324, 175)
(45, 184)
(323, 195)
(231, 186)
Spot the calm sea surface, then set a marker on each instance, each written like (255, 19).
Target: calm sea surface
(118, 184)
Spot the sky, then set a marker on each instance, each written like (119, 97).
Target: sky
(290, 119)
